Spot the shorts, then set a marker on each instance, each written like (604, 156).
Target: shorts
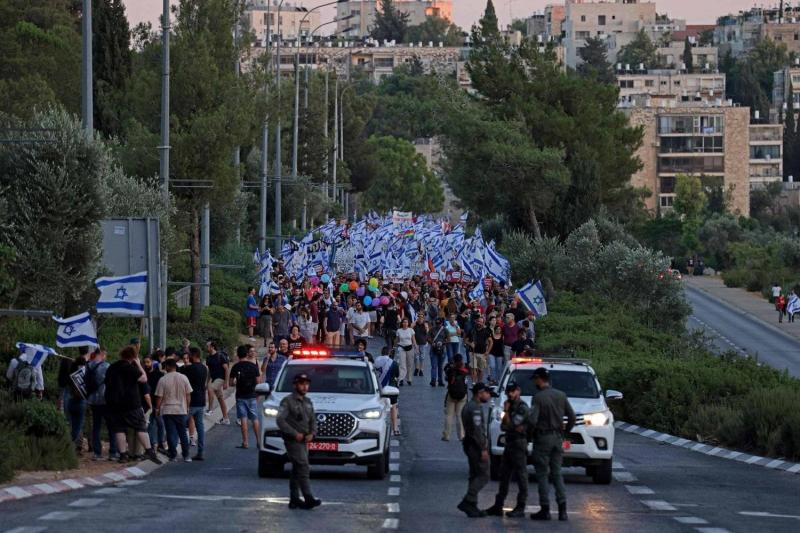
(216, 387)
(477, 361)
(251, 322)
(393, 400)
(246, 408)
(120, 422)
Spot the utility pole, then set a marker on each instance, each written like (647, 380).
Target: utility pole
(205, 256)
(278, 191)
(87, 88)
(237, 149)
(335, 131)
(164, 160)
(262, 215)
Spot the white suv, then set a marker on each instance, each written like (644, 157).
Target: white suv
(590, 444)
(353, 413)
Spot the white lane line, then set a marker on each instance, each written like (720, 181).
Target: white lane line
(394, 467)
(394, 455)
(131, 482)
(624, 477)
(392, 507)
(636, 489)
(617, 466)
(659, 505)
(394, 443)
(690, 520)
(59, 515)
(109, 490)
(27, 529)
(73, 484)
(763, 514)
(395, 478)
(86, 502)
(391, 523)
(18, 492)
(393, 491)
(795, 469)
(712, 530)
(47, 489)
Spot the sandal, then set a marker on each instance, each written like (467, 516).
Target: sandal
(242, 446)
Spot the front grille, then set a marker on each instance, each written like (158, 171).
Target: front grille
(578, 420)
(335, 425)
(575, 438)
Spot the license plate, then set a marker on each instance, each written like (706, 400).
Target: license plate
(566, 445)
(323, 446)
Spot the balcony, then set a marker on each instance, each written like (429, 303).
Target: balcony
(766, 134)
(691, 165)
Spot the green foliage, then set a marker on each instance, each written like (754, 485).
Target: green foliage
(520, 25)
(750, 77)
(436, 30)
(595, 61)
(688, 58)
(215, 322)
(35, 418)
(390, 23)
(641, 50)
(112, 62)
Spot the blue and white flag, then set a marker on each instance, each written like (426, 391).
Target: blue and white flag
(477, 292)
(75, 331)
(532, 295)
(122, 295)
(34, 354)
(793, 305)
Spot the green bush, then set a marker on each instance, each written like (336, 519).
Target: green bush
(35, 418)
(216, 322)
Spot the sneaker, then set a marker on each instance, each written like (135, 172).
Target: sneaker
(225, 421)
(113, 457)
(162, 449)
(187, 459)
(173, 459)
(209, 412)
(238, 422)
(153, 456)
(123, 458)
(193, 441)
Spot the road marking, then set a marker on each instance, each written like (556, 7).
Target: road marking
(394, 455)
(136, 471)
(753, 459)
(392, 507)
(395, 478)
(394, 443)
(27, 529)
(393, 491)
(795, 469)
(648, 433)
(391, 523)
(71, 483)
(109, 490)
(114, 476)
(774, 464)
(690, 520)
(18, 492)
(768, 515)
(617, 466)
(681, 442)
(86, 502)
(131, 482)
(47, 489)
(60, 515)
(659, 505)
(394, 467)
(624, 477)
(733, 455)
(636, 489)
(712, 530)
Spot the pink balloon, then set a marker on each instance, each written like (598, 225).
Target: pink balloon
(314, 281)
(384, 300)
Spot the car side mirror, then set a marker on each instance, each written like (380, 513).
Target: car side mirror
(613, 394)
(390, 392)
(263, 389)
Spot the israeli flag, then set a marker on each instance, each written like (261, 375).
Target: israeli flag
(793, 305)
(532, 295)
(34, 354)
(477, 292)
(75, 331)
(123, 295)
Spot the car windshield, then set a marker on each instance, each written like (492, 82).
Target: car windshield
(573, 384)
(339, 379)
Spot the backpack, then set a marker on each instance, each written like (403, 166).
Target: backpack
(24, 377)
(457, 388)
(90, 379)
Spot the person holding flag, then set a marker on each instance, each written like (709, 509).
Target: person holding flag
(25, 371)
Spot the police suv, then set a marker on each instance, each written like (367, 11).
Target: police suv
(353, 412)
(590, 444)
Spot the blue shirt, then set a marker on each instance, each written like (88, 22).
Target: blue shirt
(249, 311)
(273, 368)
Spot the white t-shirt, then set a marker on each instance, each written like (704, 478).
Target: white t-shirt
(360, 321)
(776, 291)
(405, 336)
(383, 364)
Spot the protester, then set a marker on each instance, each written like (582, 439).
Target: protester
(94, 379)
(265, 318)
(76, 403)
(155, 425)
(218, 375)
(272, 364)
(173, 398)
(437, 353)
(421, 333)
(197, 374)
(388, 373)
(456, 396)
(453, 337)
(480, 342)
(497, 358)
(251, 312)
(245, 376)
(406, 346)
(26, 381)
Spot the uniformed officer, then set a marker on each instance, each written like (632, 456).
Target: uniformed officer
(549, 407)
(298, 424)
(515, 453)
(476, 447)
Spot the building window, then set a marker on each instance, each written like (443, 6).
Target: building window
(601, 20)
(668, 185)
(626, 84)
(666, 201)
(649, 83)
(583, 18)
(692, 145)
(582, 34)
(384, 62)
(765, 152)
(691, 165)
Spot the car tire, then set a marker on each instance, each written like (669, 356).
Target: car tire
(601, 474)
(494, 467)
(268, 467)
(378, 469)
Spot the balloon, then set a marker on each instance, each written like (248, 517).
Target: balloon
(353, 285)
(326, 278)
(375, 290)
(376, 302)
(314, 281)
(373, 282)
(384, 300)
(344, 288)
(367, 300)
(360, 292)
(404, 294)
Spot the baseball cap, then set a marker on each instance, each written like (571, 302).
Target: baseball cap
(134, 340)
(299, 378)
(511, 385)
(478, 387)
(540, 372)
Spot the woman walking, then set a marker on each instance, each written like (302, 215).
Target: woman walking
(406, 345)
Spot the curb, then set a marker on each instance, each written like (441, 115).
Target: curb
(140, 470)
(707, 449)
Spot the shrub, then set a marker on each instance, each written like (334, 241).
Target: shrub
(35, 418)
(216, 322)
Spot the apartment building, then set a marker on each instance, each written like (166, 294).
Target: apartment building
(710, 141)
(785, 82)
(355, 18)
(766, 154)
(703, 57)
(546, 24)
(663, 87)
(617, 21)
(294, 21)
(741, 32)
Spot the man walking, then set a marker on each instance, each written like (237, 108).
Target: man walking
(476, 448)
(95, 378)
(515, 453)
(456, 396)
(272, 364)
(173, 397)
(298, 424)
(480, 342)
(245, 375)
(197, 373)
(549, 407)
(251, 312)
(218, 376)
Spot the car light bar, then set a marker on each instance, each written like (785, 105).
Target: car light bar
(527, 360)
(307, 353)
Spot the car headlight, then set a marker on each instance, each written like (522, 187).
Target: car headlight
(369, 414)
(270, 411)
(597, 419)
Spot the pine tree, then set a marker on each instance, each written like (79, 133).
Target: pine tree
(111, 62)
(688, 59)
(595, 61)
(390, 23)
(488, 24)
(791, 165)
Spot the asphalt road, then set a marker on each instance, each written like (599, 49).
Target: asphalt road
(730, 329)
(657, 488)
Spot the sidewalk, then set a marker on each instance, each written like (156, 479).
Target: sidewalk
(748, 303)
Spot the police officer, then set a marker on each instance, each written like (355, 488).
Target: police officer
(549, 407)
(476, 447)
(515, 453)
(298, 424)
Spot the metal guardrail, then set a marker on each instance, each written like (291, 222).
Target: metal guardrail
(182, 296)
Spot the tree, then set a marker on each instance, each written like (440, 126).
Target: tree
(688, 58)
(488, 27)
(111, 63)
(690, 203)
(390, 24)
(595, 61)
(435, 30)
(706, 38)
(641, 50)
(750, 77)
(401, 178)
(791, 140)
(520, 25)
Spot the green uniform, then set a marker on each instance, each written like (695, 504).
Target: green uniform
(549, 407)
(515, 453)
(475, 443)
(296, 416)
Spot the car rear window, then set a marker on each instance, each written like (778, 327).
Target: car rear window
(342, 379)
(573, 384)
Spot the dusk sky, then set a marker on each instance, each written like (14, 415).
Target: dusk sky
(466, 12)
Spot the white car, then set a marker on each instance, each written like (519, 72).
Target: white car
(590, 444)
(353, 413)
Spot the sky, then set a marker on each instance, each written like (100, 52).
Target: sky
(466, 12)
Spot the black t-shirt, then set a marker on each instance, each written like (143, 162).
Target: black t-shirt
(421, 334)
(153, 377)
(481, 338)
(295, 344)
(197, 373)
(390, 319)
(519, 346)
(246, 375)
(122, 387)
(215, 365)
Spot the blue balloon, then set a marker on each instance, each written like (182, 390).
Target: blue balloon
(367, 300)
(325, 278)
